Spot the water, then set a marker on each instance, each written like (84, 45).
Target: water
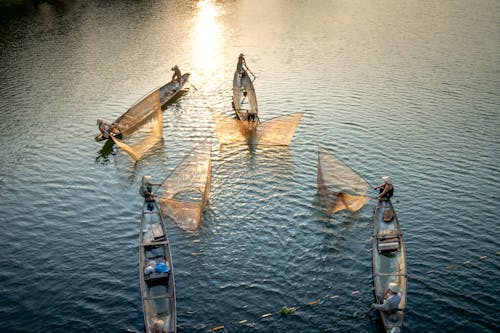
(409, 89)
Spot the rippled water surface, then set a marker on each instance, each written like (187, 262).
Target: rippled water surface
(405, 88)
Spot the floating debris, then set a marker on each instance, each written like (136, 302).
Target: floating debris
(266, 315)
(466, 262)
(244, 321)
(313, 302)
(285, 311)
(355, 292)
(450, 267)
(218, 328)
(483, 257)
(334, 296)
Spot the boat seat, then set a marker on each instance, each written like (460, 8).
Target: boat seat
(155, 278)
(388, 245)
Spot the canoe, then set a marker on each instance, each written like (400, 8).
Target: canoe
(389, 262)
(156, 272)
(141, 111)
(244, 99)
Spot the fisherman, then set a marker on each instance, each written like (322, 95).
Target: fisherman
(104, 128)
(146, 190)
(251, 116)
(386, 190)
(177, 74)
(241, 66)
(158, 326)
(390, 304)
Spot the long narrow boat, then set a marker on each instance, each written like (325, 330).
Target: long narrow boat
(156, 272)
(244, 99)
(141, 111)
(389, 262)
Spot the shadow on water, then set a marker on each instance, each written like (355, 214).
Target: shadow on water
(106, 150)
(174, 99)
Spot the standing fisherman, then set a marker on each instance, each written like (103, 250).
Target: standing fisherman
(177, 74)
(241, 66)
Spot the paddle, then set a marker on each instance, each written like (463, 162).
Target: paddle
(192, 86)
(248, 69)
(368, 312)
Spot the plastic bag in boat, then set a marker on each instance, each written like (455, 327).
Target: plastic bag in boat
(161, 268)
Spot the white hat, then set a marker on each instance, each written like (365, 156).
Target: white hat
(387, 179)
(394, 287)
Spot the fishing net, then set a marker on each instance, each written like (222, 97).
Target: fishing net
(278, 131)
(231, 130)
(339, 187)
(186, 190)
(152, 128)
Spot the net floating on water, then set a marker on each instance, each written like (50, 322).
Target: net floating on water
(186, 190)
(339, 187)
(277, 131)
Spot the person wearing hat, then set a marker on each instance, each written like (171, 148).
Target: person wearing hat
(177, 74)
(392, 298)
(241, 65)
(386, 190)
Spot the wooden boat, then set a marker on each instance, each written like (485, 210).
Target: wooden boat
(141, 110)
(244, 99)
(156, 272)
(389, 262)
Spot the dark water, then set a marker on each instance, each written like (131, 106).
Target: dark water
(409, 89)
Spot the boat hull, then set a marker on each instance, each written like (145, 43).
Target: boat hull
(245, 99)
(156, 273)
(167, 93)
(388, 262)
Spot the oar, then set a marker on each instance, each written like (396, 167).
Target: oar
(192, 86)
(254, 77)
(368, 312)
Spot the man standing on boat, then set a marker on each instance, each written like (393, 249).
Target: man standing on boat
(386, 189)
(241, 66)
(177, 74)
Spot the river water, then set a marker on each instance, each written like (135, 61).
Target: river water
(409, 89)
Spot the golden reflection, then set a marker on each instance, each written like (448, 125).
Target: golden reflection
(206, 37)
